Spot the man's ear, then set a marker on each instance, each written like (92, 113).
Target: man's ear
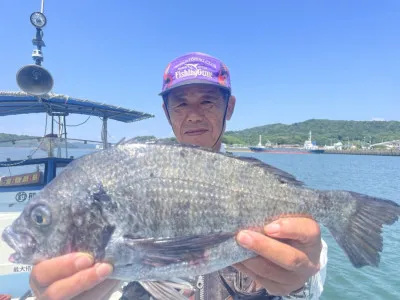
(166, 113)
(231, 107)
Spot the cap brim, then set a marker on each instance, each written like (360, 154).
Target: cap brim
(194, 81)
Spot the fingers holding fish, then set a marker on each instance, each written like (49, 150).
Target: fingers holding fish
(282, 267)
(302, 230)
(102, 291)
(303, 234)
(265, 269)
(280, 253)
(51, 270)
(72, 286)
(272, 278)
(67, 276)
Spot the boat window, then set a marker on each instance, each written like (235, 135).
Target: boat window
(21, 175)
(60, 167)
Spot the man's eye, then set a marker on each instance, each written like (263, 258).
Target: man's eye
(206, 102)
(183, 104)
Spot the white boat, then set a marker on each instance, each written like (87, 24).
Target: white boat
(260, 147)
(310, 147)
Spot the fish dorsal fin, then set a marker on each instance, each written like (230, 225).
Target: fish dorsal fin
(121, 141)
(283, 177)
(181, 145)
(171, 143)
(163, 142)
(127, 142)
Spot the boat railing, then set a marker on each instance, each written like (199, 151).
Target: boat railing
(50, 145)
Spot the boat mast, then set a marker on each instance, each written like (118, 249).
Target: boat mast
(34, 79)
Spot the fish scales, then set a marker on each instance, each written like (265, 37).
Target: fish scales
(202, 200)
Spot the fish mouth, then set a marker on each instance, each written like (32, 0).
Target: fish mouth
(194, 132)
(23, 244)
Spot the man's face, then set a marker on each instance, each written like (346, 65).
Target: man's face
(196, 114)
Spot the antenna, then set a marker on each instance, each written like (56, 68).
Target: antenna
(34, 79)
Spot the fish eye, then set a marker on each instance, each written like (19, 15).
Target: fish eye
(40, 215)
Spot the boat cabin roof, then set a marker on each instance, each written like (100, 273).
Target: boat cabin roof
(14, 103)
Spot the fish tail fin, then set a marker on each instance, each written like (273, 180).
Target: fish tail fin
(361, 237)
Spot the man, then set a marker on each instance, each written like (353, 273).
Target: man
(197, 101)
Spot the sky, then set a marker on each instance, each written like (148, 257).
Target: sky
(290, 61)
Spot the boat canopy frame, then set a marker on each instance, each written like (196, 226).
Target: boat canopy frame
(58, 105)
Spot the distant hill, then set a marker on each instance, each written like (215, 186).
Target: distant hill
(11, 140)
(324, 132)
(30, 141)
(7, 136)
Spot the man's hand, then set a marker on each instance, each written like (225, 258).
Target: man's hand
(288, 259)
(71, 276)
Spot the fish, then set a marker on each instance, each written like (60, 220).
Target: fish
(161, 211)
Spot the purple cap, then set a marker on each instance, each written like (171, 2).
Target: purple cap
(193, 68)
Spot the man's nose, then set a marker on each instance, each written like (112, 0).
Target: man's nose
(195, 115)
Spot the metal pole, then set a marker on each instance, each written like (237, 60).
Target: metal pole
(104, 133)
(42, 7)
(51, 138)
(59, 137)
(65, 136)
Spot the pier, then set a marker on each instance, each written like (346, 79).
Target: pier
(381, 152)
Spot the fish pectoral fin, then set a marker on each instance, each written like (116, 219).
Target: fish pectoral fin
(165, 251)
(163, 290)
